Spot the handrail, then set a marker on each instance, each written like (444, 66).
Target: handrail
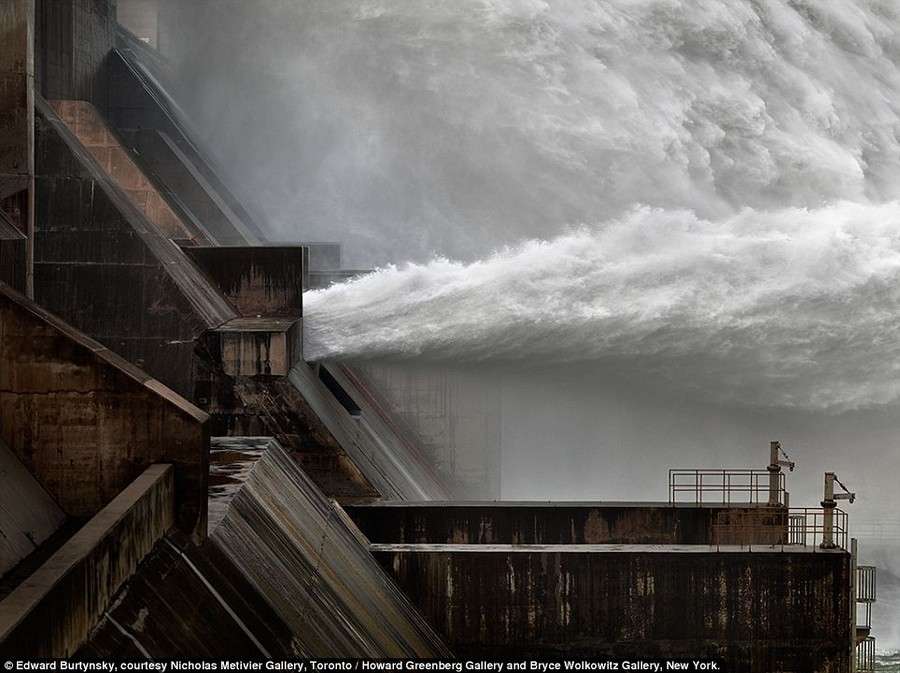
(730, 487)
(865, 655)
(865, 584)
(783, 528)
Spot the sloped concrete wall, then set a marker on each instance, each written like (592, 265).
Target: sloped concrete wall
(390, 461)
(85, 422)
(302, 554)
(103, 267)
(272, 406)
(88, 126)
(51, 613)
(453, 415)
(141, 112)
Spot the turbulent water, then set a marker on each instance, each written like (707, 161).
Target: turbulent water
(707, 188)
(700, 198)
(796, 307)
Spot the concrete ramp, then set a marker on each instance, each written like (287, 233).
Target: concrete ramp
(147, 118)
(302, 553)
(28, 516)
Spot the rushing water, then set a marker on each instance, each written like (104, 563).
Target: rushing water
(789, 308)
(673, 226)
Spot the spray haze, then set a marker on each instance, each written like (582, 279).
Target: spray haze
(701, 195)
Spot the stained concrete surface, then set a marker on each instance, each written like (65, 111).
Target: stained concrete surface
(85, 422)
(73, 40)
(86, 123)
(102, 266)
(262, 280)
(261, 346)
(584, 523)
(16, 116)
(765, 611)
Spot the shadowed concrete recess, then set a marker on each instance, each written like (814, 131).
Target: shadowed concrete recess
(85, 422)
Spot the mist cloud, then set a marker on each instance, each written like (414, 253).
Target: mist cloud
(407, 129)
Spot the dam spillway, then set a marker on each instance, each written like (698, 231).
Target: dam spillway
(316, 507)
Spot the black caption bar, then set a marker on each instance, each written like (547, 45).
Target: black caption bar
(645, 665)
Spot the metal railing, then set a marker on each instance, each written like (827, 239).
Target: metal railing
(865, 596)
(865, 584)
(782, 528)
(730, 487)
(865, 655)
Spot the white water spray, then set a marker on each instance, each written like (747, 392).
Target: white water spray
(794, 308)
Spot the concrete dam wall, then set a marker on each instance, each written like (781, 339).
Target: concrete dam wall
(559, 580)
(280, 568)
(596, 600)
(85, 422)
